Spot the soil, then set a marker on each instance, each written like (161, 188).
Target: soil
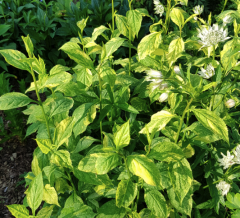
(15, 160)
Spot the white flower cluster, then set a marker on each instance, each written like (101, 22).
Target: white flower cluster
(230, 103)
(227, 161)
(208, 73)
(227, 19)
(223, 187)
(198, 9)
(157, 81)
(213, 35)
(159, 9)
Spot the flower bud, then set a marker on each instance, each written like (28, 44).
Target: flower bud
(230, 103)
(176, 69)
(163, 97)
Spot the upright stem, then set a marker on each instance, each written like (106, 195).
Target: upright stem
(100, 97)
(112, 17)
(225, 3)
(167, 15)
(181, 121)
(130, 42)
(80, 35)
(41, 105)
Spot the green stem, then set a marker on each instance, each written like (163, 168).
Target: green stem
(80, 35)
(181, 121)
(70, 179)
(186, 124)
(41, 105)
(100, 97)
(214, 53)
(234, 82)
(112, 17)
(213, 183)
(130, 43)
(167, 15)
(225, 3)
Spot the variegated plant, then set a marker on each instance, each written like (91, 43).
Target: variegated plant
(141, 136)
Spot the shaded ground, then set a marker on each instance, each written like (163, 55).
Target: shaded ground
(15, 160)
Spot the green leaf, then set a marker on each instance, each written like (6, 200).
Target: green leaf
(126, 193)
(165, 181)
(145, 168)
(158, 121)
(202, 133)
(13, 100)
(110, 210)
(122, 136)
(83, 116)
(74, 208)
(166, 151)
(50, 195)
(122, 25)
(108, 76)
(184, 207)
(82, 24)
(63, 131)
(84, 143)
(134, 20)
(74, 52)
(98, 31)
(212, 122)
(62, 186)
(233, 201)
(35, 192)
(45, 212)
(45, 145)
(156, 203)
(60, 105)
(28, 44)
(236, 214)
(58, 69)
(4, 28)
(19, 211)
(84, 76)
(13, 57)
(99, 163)
(35, 166)
(127, 107)
(92, 178)
(176, 47)
(62, 158)
(57, 79)
(112, 46)
(181, 178)
(177, 17)
(140, 104)
(149, 44)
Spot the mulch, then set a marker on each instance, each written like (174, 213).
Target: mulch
(15, 160)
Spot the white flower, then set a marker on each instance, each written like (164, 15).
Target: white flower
(163, 97)
(159, 9)
(154, 75)
(230, 103)
(223, 187)
(227, 160)
(198, 9)
(227, 19)
(208, 73)
(182, 3)
(237, 155)
(212, 36)
(177, 69)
